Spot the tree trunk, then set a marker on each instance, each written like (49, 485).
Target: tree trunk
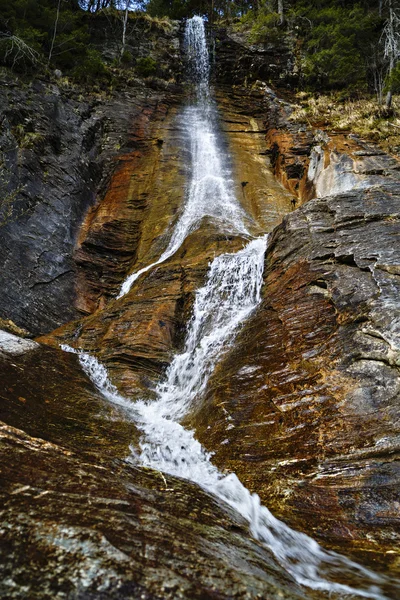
(280, 12)
(389, 95)
(124, 26)
(55, 32)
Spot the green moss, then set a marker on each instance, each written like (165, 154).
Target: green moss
(92, 69)
(146, 66)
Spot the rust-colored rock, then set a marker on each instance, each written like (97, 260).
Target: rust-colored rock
(137, 335)
(78, 521)
(141, 196)
(305, 408)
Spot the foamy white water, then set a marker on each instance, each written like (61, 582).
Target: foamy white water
(211, 190)
(231, 292)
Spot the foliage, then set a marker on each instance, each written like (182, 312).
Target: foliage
(363, 116)
(33, 22)
(92, 69)
(126, 57)
(338, 45)
(146, 66)
(265, 28)
(342, 45)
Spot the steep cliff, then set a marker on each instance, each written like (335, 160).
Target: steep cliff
(60, 143)
(306, 406)
(303, 406)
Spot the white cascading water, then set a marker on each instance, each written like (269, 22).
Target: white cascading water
(211, 192)
(230, 294)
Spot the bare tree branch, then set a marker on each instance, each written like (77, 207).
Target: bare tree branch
(18, 50)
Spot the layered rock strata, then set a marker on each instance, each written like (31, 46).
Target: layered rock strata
(305, 407)
(79, 522)
(137, 335)
(59, 146)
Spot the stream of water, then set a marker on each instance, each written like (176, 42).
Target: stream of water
(211, 193)
(231, 292)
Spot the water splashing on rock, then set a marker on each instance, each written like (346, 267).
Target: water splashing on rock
(230, 294)
(211, 191)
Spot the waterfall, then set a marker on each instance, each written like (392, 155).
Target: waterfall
(211, 190)
(230, 294)
(197, 59)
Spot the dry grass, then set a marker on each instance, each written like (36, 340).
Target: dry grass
(161, 23)
(364, 117)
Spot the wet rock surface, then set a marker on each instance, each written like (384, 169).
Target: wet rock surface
(145, 189)
(78, 521)
(48, 144)
(59, 147)
(137, 336)
(305, 408)
(242, 113)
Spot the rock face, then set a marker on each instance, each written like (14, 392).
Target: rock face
(59, 146)
(310, 393)
(80, 522)
(242, 118)
(144, 191)
(48, 144)
(137, 336)
(305, 406)
(238, 61)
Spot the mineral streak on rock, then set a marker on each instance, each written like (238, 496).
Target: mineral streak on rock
(305, 409)
(79, 522)
(58, 152)
(137, 335)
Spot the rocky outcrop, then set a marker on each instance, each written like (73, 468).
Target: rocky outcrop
(137, 336)
(143, 192)
(48, 147)
(305, 408)
(312, 163)
(242, 113)
(237, 61)
(81, 522)
(59, 146)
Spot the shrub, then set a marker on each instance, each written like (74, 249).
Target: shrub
(92, 69)
(146, 66)
(266, 29)
(126, 58)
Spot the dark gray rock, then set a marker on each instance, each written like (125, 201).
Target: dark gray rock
(57, 153)
(79, 522)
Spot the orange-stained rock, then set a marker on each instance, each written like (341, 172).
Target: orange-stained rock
(242, 119)
(79, 519)
(140, 194)
(305, 407)
(137, 335)
(310, 162)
